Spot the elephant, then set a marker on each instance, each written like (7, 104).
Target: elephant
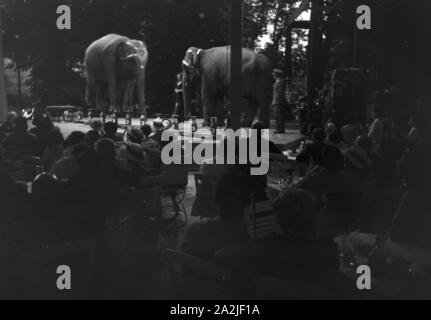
(212, 68)
(119, 64)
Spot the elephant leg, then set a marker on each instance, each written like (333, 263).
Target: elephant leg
(128, 95)
(91, 93)
(208, 105)
(220, 113)
(113, 92)
(249, 113)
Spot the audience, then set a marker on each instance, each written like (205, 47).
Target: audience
(43, 127)
(321, 154)
(21, 141)
(296, 252)
(8, 126)
(111, 132)
(54, 149)
(204, 239)
(351, 130)
(377, 130)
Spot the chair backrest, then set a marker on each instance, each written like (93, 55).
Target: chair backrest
(204, 205)
(282, 289)
(261, 220)
(194, 278)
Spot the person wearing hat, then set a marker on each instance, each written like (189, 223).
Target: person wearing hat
(279, 101)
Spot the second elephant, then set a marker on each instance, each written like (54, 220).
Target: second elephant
(212, 67)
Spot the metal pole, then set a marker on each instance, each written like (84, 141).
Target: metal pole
(236, 63)
(3, 102)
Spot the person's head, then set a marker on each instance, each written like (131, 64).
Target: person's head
(233, 194)
(413, 122)
(96, 125)
(146, 130)
(79, 149)
(335, 137)
(65, 168)
(55, 138)
(259, 126)
(111, 129)
(75, 138)
(37, 120)
(319, 135)
(11, 117)
(357, 159)
(46, 124)
(297, 211)
(21, 125)
(106, 150)
(278, 74)
(91, 137)
(365, 143)
(135, 135)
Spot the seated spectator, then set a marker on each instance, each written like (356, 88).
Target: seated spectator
(377, 130)
(97, 125)
(134, 135)
(76, 137)
(147, 131)
(9, 126)
(351, 130)
(42, 130)
(65, 169)
(111, 132)
(233, 195)
(113, 175)
(133, 157)
(260, 126)
(414, 138)
(54, 149)
(293, 254)
(359, 163)
(412, 222)
(91, 137)
(321, 154)
(213, 169)
(44, 193)
(21, 141)
(335, 138)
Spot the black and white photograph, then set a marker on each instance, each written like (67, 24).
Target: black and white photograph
(215, 156)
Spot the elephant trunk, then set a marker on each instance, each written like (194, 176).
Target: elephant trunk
(141, 94)
(187, 96)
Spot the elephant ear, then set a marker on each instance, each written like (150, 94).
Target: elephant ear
(191, 60)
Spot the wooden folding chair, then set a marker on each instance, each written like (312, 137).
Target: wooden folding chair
(261, 220)
(204, 205)
(193, 278)
(175, 181)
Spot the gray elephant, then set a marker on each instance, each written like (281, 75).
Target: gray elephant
(118, 64)
(212, 67)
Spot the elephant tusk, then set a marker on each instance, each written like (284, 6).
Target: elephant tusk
(199, 52)
(186, 63)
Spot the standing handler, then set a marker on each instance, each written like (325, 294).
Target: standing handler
(279, 101)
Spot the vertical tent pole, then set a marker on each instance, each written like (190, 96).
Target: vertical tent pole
(3, 102)
(236, 64)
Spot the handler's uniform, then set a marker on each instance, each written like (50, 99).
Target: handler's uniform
(280, 103)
